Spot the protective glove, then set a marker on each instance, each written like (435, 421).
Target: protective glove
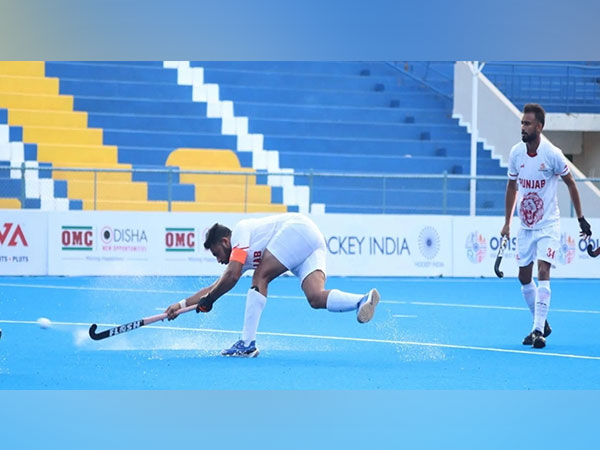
(586, 228)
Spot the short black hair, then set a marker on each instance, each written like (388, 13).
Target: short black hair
(215, 234)
(540, 114)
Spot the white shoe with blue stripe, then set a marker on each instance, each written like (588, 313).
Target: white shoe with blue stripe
(366, 306)
(240, 350)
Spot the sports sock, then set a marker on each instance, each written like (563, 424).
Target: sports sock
(255, 303)
(542, 304)
(339, 301)
(529, 292)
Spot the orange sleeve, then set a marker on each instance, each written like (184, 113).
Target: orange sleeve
(239, 255)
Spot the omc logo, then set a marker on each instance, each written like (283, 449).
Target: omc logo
(429, 242)
(180, 239)
(566, 251)
(77, 238)
(476, 246)
(12, 235)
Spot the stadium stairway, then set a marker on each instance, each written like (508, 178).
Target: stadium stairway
(63, 139)
(29, 183)
(290, 118)
(43, 109)
(148, 116)
(349, 118)
(222, 193)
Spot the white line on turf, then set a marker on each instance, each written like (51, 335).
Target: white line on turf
(105, 289)
(339, 338)
(407, 316)
(291, 297)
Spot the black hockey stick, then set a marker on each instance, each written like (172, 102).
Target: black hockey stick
(593, 253)
(133, 325)
(501, 248)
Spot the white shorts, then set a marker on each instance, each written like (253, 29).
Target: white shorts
(542, 244)
(300, 246)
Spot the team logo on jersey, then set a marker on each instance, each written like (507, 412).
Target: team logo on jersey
(542, 167)
(531, 210)
(476, 246)
(429, 242)
(566, 251)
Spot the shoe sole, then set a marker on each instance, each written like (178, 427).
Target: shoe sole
(254, 354)
(547, 332)
(539, 343)
(367, 310)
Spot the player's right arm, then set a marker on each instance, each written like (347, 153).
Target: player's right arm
(509, 207)
(511, 192)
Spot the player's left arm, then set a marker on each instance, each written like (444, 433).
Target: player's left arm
(586, 229)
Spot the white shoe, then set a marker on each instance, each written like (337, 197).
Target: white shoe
(366, 306)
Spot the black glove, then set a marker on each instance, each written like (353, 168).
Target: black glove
(205, 304)
(586, 228)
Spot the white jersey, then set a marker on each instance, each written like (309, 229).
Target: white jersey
(537, 183)
(250, 237)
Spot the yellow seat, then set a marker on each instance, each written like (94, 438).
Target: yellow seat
(62, 135)
(226, 207)
(29, 85)
(221, 193)
(64, 139)
(40, 102)
(45, 118)
(24, 68)
(10, 203)
(63, 155)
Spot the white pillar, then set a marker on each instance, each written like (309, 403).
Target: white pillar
(475, 70)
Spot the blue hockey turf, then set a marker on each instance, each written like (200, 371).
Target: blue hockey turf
(426, 334)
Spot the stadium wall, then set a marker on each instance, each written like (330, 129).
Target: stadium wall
(74, 243)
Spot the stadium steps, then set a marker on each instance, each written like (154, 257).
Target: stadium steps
(146, 115)
(353, 118)
(62, 134)
(222, 192)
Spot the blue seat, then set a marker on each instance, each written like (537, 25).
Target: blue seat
(349, 117)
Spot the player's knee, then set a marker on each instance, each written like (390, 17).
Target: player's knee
(524, 279)
(544, 274)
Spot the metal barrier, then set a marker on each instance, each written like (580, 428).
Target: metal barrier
(357, 192)
(572, 86)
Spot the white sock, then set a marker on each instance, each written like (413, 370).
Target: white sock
(338, 301)
(542, 304)
(255, 303)
(529, 292)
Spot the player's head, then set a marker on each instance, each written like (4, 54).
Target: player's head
(532, 122)
(218, 241)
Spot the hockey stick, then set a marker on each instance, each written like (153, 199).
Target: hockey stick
(503, 243)
(593, 253)
(133, 325)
